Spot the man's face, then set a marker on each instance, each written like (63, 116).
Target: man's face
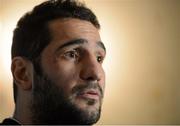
(72, 73)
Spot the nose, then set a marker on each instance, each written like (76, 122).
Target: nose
(91, 70)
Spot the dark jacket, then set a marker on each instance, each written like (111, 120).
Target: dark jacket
(9, 121)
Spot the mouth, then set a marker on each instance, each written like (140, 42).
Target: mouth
(90, 94)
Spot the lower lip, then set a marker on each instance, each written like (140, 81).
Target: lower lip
(90, 96)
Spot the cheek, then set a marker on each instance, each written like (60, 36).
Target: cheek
(62, 73)
(65, 76)
(103, 81)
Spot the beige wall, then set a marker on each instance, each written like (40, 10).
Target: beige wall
(143, 58)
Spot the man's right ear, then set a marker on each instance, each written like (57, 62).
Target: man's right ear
(22, 71)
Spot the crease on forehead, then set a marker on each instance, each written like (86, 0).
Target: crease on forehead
(70, 23)
(71, 27)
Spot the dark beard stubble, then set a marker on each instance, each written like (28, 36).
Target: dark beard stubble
(49, 105)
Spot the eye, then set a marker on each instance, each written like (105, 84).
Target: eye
(100, 59)
(73, 54)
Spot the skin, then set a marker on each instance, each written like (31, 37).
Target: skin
(73, 58)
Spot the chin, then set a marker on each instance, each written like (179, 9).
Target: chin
(90, 110)
(90, 115)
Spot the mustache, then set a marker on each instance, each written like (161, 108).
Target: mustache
(87, 86)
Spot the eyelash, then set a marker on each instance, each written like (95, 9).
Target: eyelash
(72, 54)
(75, 55)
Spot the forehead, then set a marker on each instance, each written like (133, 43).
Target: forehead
(70, 28)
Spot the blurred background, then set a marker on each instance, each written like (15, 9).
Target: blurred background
(142, 66)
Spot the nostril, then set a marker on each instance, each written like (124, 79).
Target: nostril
(92, 79)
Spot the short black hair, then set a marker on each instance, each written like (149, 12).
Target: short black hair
(32, 35)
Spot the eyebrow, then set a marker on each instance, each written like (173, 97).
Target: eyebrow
(79, 42)
(101, 44)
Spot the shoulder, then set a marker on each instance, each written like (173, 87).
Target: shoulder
(9, 121)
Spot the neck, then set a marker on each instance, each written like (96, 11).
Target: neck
(22, 116)
(22, 111)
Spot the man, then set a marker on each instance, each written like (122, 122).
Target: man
(57, 57)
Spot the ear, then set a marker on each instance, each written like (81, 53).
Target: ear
(22, 71)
